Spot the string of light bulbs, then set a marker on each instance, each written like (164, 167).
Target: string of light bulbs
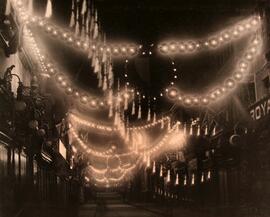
(215, 41)
(116, 50)
(87, 99)
(241, 71)
(55, 31)
(74, 118)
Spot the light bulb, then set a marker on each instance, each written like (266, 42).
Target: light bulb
(213, 42)
(182, 47)
(238, 75)
(230, 83)
(205, 101)
(84, 99)
(188, 101)
(164, 48)
(172, 47)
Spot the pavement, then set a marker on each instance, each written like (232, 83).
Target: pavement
(110, 204)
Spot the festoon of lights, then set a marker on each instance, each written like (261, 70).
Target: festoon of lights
(111, 176)
(99, 53)
(248, 56)
(87, 99)
(241, 69)
(82, 121)
(101, 60)
(142, 151)
(96, 153)
(135, 150)
(214, 41)
(144, 154)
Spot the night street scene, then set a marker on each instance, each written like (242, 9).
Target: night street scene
(134, 108)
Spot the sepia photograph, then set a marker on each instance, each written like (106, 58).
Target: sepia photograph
(134, 108)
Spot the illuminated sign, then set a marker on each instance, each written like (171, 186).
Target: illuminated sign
(260, 109)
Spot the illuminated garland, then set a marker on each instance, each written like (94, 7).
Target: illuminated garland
(93, 101)
(110, 180)
(125, 50)
(164, 140)
(85, 147)
(117, 50)
(241, 72)
(215, 41)
(76, 119)
(82, 121)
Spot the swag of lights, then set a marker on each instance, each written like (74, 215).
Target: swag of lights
(232, 33)
(91, 124)
(114, 49)
(215, 41)
(106, 154)
(182, 47)
(241, 71)
(48, 68)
